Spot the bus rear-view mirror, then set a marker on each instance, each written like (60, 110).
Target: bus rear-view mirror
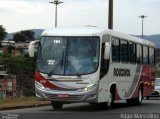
(31, 48)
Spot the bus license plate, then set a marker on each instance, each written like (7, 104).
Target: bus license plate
(63, 96)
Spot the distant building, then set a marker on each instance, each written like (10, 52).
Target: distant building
(3, 50)
(7, 43)
(18, 48)
(16, 52)
(7, 84)
(3, 69)
(21, 45)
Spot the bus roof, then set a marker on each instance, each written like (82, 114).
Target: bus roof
(74, 31)
(94, 31)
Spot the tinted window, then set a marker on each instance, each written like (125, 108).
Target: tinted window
(115, 50)
(132, 52)
(151, 56)
(124, 51)
(139, 54)
(145, 55)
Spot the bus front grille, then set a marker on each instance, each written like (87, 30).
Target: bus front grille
(69, 98)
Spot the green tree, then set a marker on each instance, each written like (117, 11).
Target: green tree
(2, 33)
(23, 36)
(23, 67)
(19, 37)
(157, 73)
(10, 48)
(29, 34)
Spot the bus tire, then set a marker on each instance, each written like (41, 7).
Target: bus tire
(56, 105)
(109, 104)
(130, 101)
(136, 101)
(92, 103)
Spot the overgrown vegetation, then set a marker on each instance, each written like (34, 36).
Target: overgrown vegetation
(23, 36)
(23, 67)
(21, 101)
(158, 73)
(2, 33)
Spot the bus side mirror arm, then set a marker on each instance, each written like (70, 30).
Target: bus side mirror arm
(107, 51)
(31, 48)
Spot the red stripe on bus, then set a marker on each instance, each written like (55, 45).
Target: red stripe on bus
(39, 78)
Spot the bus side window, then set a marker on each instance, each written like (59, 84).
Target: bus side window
(132, 52)
(145, 55)
(115, 50)
(151, 56)
(124, 51)
(104, 63)
(139, 54)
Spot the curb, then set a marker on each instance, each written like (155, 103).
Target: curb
(24, 106)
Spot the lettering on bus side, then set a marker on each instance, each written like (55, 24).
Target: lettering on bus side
(121, 72)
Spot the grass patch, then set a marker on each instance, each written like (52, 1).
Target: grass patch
(21, 101)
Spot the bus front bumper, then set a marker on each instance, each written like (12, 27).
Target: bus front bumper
(78, 95)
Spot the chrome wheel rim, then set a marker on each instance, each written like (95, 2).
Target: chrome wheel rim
(140, 96)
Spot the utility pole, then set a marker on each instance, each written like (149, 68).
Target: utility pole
(142, 17)
(56, 2)
(110, 15)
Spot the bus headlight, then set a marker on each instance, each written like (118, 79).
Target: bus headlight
(38, 85)
(90, 87)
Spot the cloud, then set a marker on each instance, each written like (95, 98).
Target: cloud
(31, 14)
(22, 14)
(26, 14)
(20, 6)
(83, 13)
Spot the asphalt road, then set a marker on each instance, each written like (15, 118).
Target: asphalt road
(149, 109)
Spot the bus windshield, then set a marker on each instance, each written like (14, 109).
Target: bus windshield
(68, 55)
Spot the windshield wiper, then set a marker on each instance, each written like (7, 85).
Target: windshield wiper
(77, 73)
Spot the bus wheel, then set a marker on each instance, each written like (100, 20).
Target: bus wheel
(57, 105)
(92, 103)
(138, 100)
(109, 104)
(111, 100)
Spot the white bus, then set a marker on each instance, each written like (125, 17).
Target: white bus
(93, 65)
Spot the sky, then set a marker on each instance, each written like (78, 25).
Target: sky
(16, 15)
